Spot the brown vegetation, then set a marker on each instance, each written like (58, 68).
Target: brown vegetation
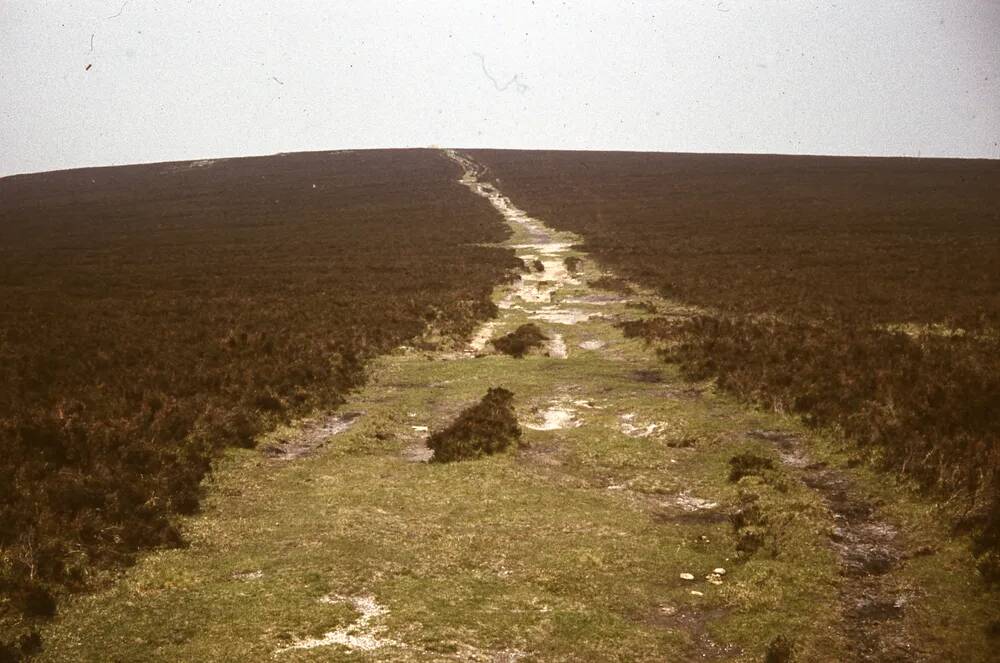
(154, 314)
(862, 294)
(520, 341)
(488, 427)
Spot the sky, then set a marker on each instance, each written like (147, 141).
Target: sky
(106, 82)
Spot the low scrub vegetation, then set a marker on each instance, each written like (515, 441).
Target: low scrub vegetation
(520, 341)
(860, 294)
(488, 427)
(155, 314)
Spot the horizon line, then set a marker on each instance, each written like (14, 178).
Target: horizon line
(919, 156)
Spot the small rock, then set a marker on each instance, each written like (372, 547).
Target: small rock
(420, 429)
(695, 592)
(687, 576)
(714, 579)
(719, 571)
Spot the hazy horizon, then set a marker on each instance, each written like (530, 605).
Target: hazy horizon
(193, 81)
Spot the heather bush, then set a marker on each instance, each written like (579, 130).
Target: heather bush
(486, 428)
(520, 341)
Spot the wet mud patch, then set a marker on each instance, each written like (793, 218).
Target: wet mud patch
(694, 620)
(595, 300)
(556, 347)
(688, 509)
(674, 516)
(307, 439)
(361, 635)
(646, 376)
(561, 316)
(868, 549)
(554, 418)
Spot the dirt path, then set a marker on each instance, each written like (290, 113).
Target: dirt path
(615, 534)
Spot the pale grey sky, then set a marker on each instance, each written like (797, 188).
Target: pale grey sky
(190, 79)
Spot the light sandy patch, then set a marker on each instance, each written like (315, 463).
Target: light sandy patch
(309, 436)
(556, 418)
(533, 291)
(560, 316)
(593, 345)
(629, 425)
(557, 347)
(418, 452)
(595, 300)
(544, 248)
(482, 337)
(691, 504)
(360, 635)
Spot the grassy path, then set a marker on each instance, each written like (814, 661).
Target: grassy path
(577, 547)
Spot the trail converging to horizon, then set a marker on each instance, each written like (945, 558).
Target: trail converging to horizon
(643, 518)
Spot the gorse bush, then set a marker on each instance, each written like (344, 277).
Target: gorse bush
(520, 341)
(861, 294)
(155, 314)
(486, 428)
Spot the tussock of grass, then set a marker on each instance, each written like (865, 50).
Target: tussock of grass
(746, 464)
(486, 428)
(520, 341)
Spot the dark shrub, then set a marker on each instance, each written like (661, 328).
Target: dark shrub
(9, 653)
(35, 600)
(520, 341)
(747, 464)
(30, 643)
(538, 265)
(488, 427)
(779, 650)
(612, 283)
(572, 264)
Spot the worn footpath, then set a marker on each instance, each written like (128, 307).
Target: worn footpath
(644, 518)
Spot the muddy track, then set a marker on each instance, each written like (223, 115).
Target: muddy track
(868, 548)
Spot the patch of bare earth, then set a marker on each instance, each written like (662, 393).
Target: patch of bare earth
(868, 548)
(694, 620)
(309, 437)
